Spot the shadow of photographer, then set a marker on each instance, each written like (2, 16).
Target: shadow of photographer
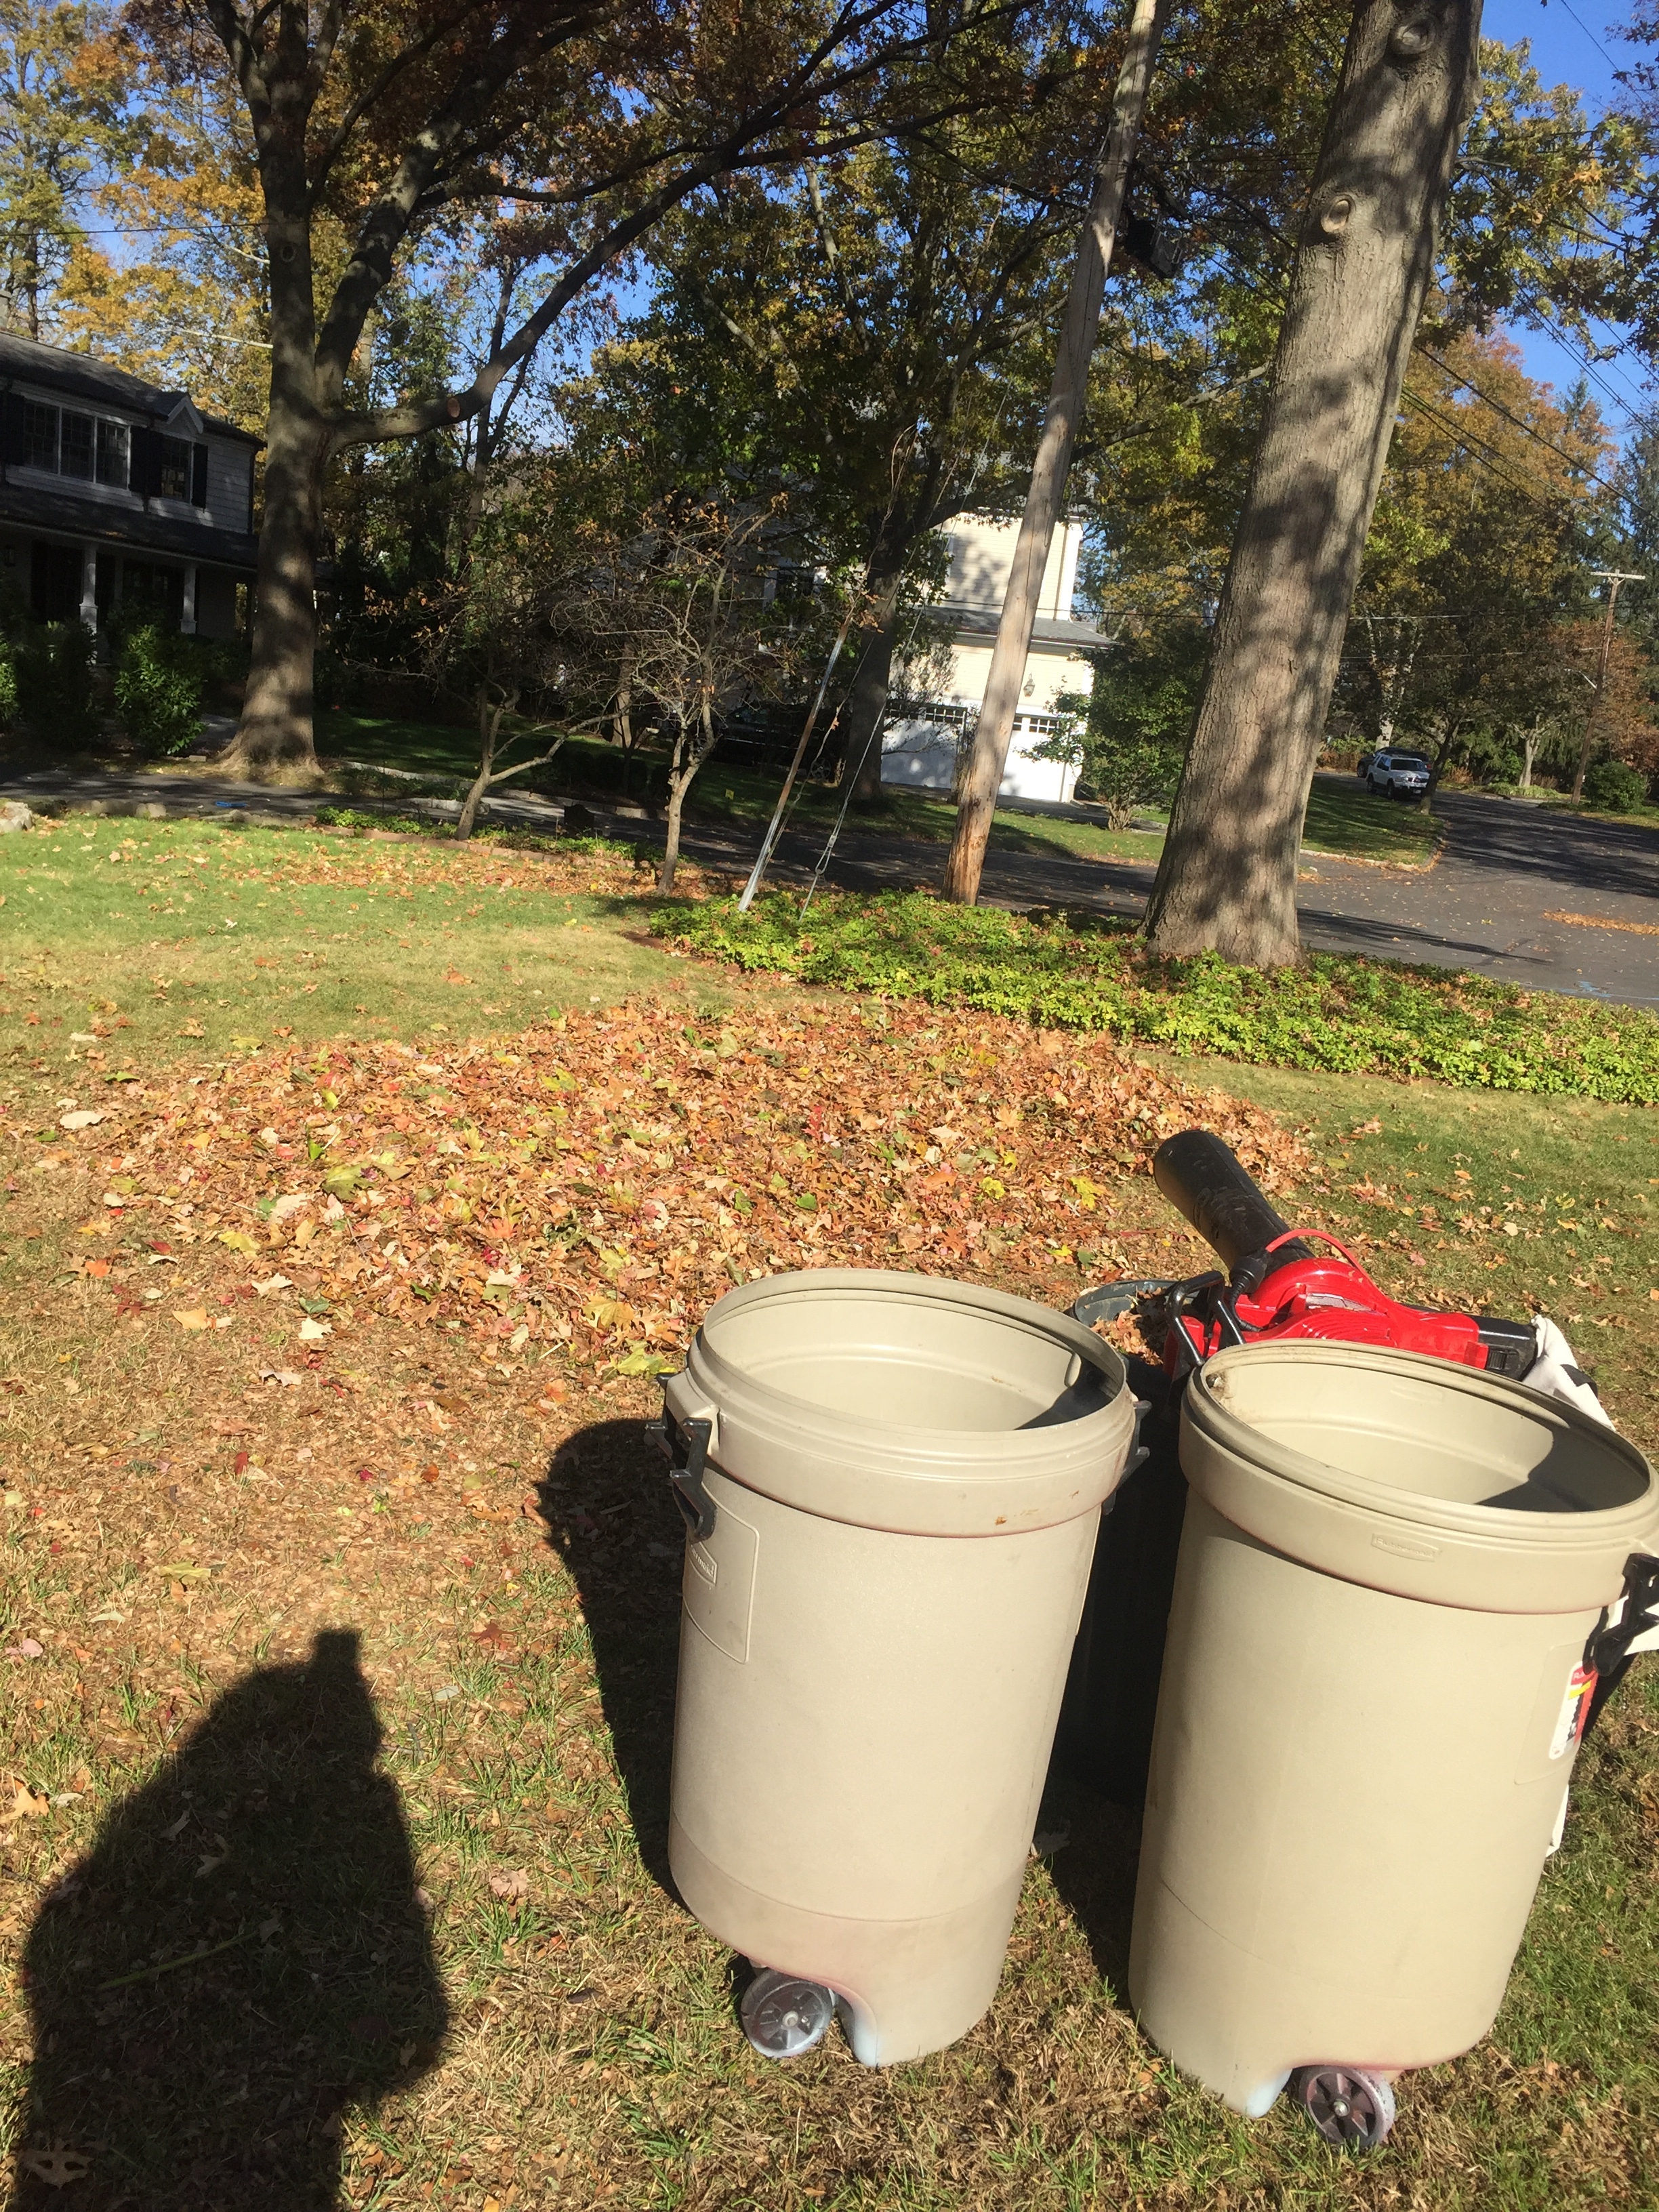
(613, 1520)
(240, 1959)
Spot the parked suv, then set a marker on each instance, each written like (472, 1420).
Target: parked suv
(1404, 775)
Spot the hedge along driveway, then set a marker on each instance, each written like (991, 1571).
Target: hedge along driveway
(1343, 1016)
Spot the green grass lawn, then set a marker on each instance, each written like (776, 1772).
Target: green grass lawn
(123, 938)
(1346, 821)
(179, 1523)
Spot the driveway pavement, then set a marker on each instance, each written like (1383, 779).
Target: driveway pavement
(1556, 902)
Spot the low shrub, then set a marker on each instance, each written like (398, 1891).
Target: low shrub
(52, 675)
(1344, 1016)
(357, 818)
(158, 679)
(1615, 788)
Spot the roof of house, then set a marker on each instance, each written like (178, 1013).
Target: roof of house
(86, 377)
(978, 621)
(69, 514)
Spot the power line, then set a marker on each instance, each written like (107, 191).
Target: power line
(1498, 407)
(1592, 369)
(1587, 30)
(1509, 472)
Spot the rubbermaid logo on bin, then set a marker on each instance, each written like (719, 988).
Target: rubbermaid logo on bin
(1403, 1548)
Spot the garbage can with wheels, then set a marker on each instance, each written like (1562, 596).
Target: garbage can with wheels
(891, 1485)
(1375, 1678)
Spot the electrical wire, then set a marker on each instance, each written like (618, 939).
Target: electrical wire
(1490, 458)
(1508, 471)
(1627, 407)
(1587, 30)
(1499, 408)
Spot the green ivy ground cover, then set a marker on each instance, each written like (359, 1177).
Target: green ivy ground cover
(1346, 1016)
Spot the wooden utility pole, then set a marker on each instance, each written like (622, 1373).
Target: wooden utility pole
(1613, 578)
(989, 754)
(1227, 879)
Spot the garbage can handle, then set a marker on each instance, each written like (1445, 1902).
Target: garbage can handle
(1631, 1625)
(686, 1443)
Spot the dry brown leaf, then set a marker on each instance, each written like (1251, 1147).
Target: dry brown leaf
(56, 2163)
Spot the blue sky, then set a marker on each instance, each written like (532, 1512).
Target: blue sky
(1573, 42)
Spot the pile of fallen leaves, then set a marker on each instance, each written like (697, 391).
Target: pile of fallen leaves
(595, 1184)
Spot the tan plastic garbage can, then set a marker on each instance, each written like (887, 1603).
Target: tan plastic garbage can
(1372, 1695)
(894, 1484)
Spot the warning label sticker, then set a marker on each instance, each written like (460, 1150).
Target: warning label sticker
(1575, 1711)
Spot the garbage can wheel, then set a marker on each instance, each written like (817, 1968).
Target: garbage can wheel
(783, 2015)
(1349, 2107)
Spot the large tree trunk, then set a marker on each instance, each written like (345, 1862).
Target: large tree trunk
(1227, 880)
(867, 703)
(274, 739)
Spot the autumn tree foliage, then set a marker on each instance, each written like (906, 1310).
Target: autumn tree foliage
(380, 124)
(64, 125)
(1494, 499)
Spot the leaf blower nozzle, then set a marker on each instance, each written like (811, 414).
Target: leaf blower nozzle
(1205, 1180)
(1281, 1283)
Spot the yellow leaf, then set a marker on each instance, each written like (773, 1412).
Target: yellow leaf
(239, 1241)
(184, 1571)
(196, 1318)
(611, 1313)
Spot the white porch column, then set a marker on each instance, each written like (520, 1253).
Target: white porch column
(89, 587)
(188, 624)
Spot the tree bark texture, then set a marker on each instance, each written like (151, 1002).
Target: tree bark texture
(489, 721)
(273, 742)
(1227, 880)
(688, 755)
(988, 752)
(866, 701)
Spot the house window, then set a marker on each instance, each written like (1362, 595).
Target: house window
(174, 477)
(113, 454)
(75, 441)
(39, 436)
(152, 592)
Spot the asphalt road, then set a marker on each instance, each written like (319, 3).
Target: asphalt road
(1556, 902)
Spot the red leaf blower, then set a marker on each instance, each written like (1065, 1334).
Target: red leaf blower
(1277, 1285)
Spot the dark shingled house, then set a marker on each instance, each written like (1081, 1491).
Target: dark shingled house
(115, 494)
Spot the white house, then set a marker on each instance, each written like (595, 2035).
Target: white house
(920, 751)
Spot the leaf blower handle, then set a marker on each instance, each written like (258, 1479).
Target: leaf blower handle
(1201, 1177)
